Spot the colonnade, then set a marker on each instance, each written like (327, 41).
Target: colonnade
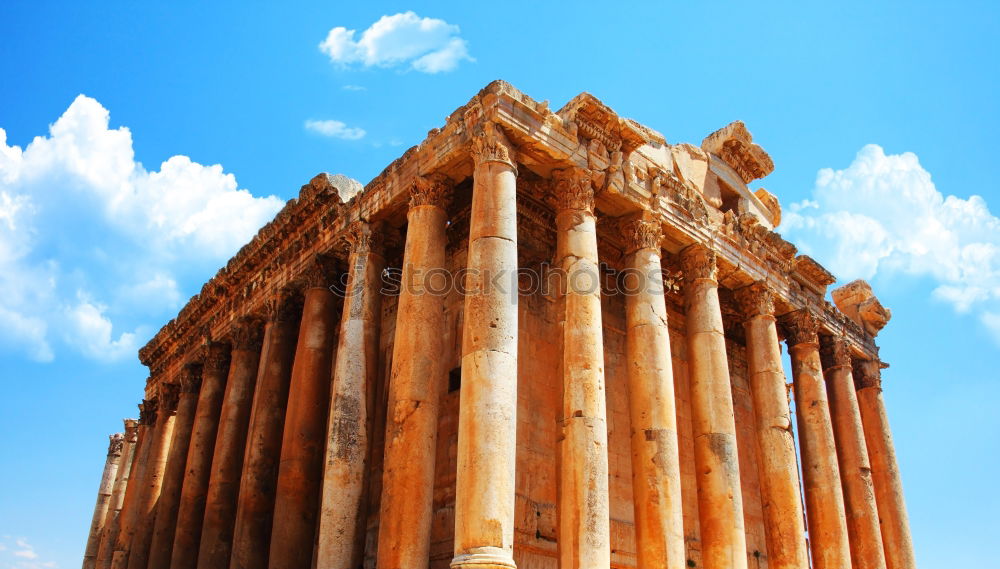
(257, 456)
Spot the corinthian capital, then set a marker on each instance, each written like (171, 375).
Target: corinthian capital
(755, 300)
(319, 272)
(641, 233)
(434, 189)
(169, 395)
(216, 357)
(131, 430)
(147, 412)
(698, 262)
(489, 144)
(867, 373)
(573, 190)
(115, 444)
(248, 334)
(191, 378)
(285, 305)
(801, 327)
(362, 238)
(834, 351)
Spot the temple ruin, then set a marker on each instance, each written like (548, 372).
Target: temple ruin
(537, 339)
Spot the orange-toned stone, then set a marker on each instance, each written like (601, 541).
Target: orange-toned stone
(827, 523)
(415, 385)
(117, 558)
(104, 494)
(198, 469)
(300, 474)
(720, 500)
(111, 522)
(584, 518)
(895, 524)
(777, 465)
(255, 508)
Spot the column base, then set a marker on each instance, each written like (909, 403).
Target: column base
(484, 558)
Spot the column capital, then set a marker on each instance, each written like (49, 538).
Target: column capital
(698, 262)
(835, 352)
(362, 238)
(801, 327)
(573, 190)
(169, 395)
(191, 377)
(489, 144)
(318, 272)
(215, 358)
(640, 232)
(867, 373)
(248, 334)
(432, 189)
(147, 412)
(131, 430)
(115, 444)
(755, 300)
(284, 305)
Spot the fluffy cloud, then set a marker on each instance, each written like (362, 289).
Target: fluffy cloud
(428, 45)
(335, 129)
(93, 245)
(883, 214)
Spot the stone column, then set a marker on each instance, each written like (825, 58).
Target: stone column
(255, 509)
(487, 416)
(230, 446)
(852, 456)
(824, 498)
(720, 499)
(300, 474)
(191, 513)
(173, 476)
(584, 518)
(415, 385)
(784, 524)
(895, 524)
(126, 519)
(163, 432)
(656, 468)
(112, 519)
(341, 535)
(104, 492)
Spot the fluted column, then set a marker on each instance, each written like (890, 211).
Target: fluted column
(415, 385)
(173, 476)
(191, 513)
(895, 524)
(487, 417)
(255, 509)
(584, 522)
(720, 499)
(126, 520)
(784, 523)
(341, 541)
(300, 474)
(230, 446)
(656, 469)
(824, 498)
(112, 519)
(852, 456)
(163, 432)
(104, 492)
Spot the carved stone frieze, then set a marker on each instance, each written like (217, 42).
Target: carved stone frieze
(801, 327)
(755, 300)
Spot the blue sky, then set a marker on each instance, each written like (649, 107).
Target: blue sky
(142, 144)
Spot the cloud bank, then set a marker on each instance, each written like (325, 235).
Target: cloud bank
(93, 245)
(334, 129)
(428, 45)
(883, 214)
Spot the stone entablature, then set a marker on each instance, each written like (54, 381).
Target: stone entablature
(632, 168)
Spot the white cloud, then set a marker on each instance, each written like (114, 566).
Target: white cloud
(883, 214)
(92, 244)
(428, 45)
(334, 129)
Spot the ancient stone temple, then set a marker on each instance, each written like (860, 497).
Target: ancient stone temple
(537, 339)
